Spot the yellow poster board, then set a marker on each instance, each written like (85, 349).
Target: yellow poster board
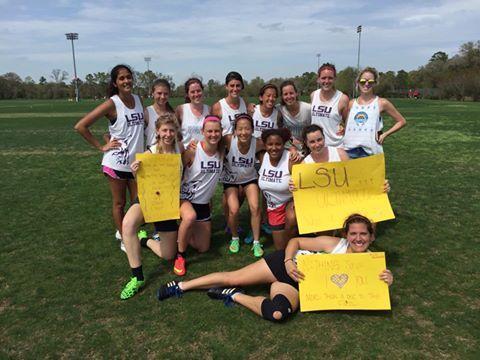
(343, 282)
(327, 193)
(158, 181)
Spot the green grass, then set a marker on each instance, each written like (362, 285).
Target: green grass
(62, 272)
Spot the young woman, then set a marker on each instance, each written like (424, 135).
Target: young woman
(125, 114)
(265, 115)
(280, 271)
(160, 93)
(274, 177)
(166, 245)
(203, 167)
(232, 104)
(239, 173)
(329, 106)
(193, 112)
(295, 114)
(363, 134)
(315, 147)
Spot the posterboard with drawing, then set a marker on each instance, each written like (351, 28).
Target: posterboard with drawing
(327, 193)
(343, 282)
(158, 182)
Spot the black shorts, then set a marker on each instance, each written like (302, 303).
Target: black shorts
(226, 186)
(166, 225)
(275, 262)
(117, 174)
(203, 212)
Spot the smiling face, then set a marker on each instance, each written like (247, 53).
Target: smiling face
(124, 81)
(326, 79)
(195, 93)
(366, 83)
(268, 98)
(212, 132)
(234, 87)
(160, 95)
(315, 141)
(274, 145)
(167, 134)
(358, 237)
(289, 95)
(243, 130)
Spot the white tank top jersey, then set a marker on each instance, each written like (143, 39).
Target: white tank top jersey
(262, 123)
(128, 129)
(273, 181)
(201, 178)
(326, 115)
(239, 168)
(296, 123)
(150, 131)
(363, 124)
(333, 156)
(228, 115)
(341, 248)
(191, 124)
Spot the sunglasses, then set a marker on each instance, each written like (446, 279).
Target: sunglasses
(365, 81)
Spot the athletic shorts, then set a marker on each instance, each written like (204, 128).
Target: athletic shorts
(203, 212)
(276, 217)
(226, 186)
(117, 174)
(357, 153)
(162, 226)
(276, 263)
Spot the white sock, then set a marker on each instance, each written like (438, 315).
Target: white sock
(180, 285)
(234, 295)
(256, 242)
(235, 238)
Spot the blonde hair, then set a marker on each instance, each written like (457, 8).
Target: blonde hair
(166, 119)
(369, 69)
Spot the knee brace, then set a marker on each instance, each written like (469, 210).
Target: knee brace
(279, 303)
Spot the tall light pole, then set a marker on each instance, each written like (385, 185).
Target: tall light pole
(318, 66)
(359, 32)
(147, 60)
(71, 37)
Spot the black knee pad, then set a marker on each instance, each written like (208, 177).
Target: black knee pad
(278, 303)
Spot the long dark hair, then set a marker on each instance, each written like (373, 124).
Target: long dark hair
(165, 83)
(307, 130)
(112, 89)
(358, 219)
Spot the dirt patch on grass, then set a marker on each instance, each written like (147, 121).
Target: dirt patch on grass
(43, 152)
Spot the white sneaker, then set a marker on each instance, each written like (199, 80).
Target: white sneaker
(118, 236)
(122, 246)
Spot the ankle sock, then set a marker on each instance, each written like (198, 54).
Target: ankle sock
(138, 273)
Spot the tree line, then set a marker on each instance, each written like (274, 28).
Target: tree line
(442, 77)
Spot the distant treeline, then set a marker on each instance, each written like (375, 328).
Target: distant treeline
(442, 77)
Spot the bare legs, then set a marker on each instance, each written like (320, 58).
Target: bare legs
(281, 237)
(118, 188)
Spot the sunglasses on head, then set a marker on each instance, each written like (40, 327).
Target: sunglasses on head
(365, 81)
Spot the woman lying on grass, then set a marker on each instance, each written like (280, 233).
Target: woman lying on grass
(278, 269)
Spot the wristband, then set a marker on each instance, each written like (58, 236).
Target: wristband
(287, 260)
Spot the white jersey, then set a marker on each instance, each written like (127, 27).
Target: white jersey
(341, 248)
(326, 115)
(296, 123)
(128, 130)
(239, 168)
(191, 124)
(261, 123)
(150, 130)
(363, 124)
(200, 179)
(333, 156)
(228, 115)
(273, 181)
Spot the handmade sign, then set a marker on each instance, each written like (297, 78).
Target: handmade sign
(158, 182)
(327, 193)
(343, 282)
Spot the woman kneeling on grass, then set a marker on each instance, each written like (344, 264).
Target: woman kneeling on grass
(165, 243)
(278, 269)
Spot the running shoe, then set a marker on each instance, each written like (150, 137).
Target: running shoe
(257, 249)
(122, 246)
(142, 234)
(118, 236)
(234, 246)
(168, 290)
(180, 266)
(249, 239)
(266, 229)
(224, 294)
(132, 287)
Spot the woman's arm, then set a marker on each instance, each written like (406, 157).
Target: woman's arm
(387, 276)
(217, 110)
(187, 157)
(179, 114)
(343, 108)
(82, 127)
(387, 106)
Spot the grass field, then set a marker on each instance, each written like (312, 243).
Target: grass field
(61, 269)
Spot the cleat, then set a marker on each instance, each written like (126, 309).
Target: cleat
(118, 236)
(142, 234)
(132, 287)
(224, 294)
(170, 289)
(180, 266)
(122, 246)
(257, 249)
(234, 246)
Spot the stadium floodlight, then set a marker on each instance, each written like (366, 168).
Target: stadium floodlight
(359, 32)
(71, 37)
(318, 66)
(147, 60)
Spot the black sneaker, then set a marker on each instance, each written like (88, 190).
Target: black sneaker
(224, 294)
(168, 290)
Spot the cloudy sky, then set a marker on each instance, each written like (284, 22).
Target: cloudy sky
(210, 38)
